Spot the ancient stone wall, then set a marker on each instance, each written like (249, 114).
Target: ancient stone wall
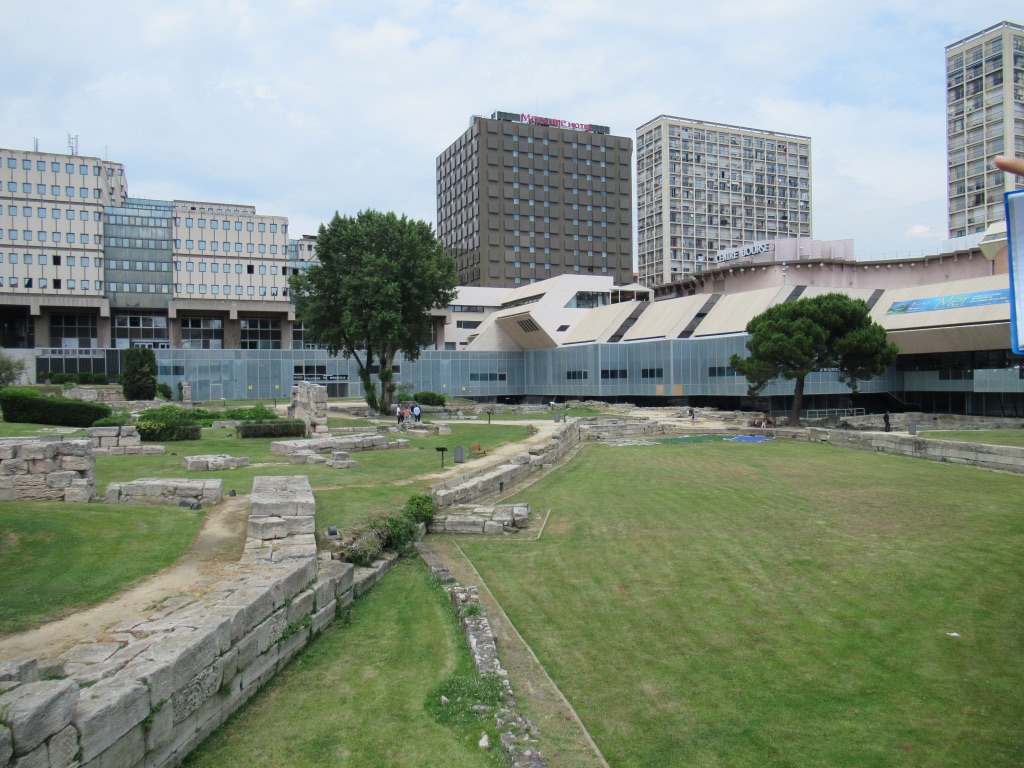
(121, 441)
(1001, 457)
(47, 470)
(309, 403)
(156, 687)
(212, 462)
(348, 444)
(165, 490)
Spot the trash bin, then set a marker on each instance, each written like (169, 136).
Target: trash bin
(460, 454)
(912, 428)
(558, 417)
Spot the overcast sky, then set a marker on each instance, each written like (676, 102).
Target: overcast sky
(305, 107)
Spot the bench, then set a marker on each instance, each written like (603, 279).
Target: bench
(475, 450)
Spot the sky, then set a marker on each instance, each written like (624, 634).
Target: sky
(307, 107)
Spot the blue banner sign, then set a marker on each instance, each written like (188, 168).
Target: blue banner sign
(1015, 246)
(955, 301)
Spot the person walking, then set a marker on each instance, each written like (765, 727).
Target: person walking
(416, 413)
(398, 413)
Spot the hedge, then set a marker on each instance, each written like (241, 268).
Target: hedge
(278, 428)
(173, 414)
(26, 406)
(74, 378)
(429, 398)
(155, 431)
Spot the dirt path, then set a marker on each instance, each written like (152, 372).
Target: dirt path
(218, 544)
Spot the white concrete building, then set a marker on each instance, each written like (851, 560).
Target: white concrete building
(702, 187)
(985, 118)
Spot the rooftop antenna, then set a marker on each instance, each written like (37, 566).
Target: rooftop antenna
(72, 144)
(35, 145)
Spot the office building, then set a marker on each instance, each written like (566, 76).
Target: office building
(984, 118)
(522, 198)
(705, 187)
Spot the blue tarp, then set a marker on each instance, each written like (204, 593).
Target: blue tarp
(752, 438)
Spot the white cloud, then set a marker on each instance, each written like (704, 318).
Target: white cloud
(309, 106)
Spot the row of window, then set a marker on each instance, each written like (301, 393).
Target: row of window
(43, 259)
(43, 283)
(140, 266)
(215, 246)
(214, 267)
(55, 167)
(215, 290)
(55, 213)
(226, 225)
(55, 190)
(487, 377)
(54, 237)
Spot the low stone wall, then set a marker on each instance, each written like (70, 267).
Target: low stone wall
(120, 441)
(349, 444)
(212, 462)
(499, 478)
(517, 733)
(500, 518)
(309, 403)
(999, 457)
(155, 688)
(165, 490)
(47, 470)
(901, 421)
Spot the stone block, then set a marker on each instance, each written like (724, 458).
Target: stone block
(103, 431)
(108, 442)
(153, 450)
(15, 466)
(37, 450)
(266, 662)
(129, 441)
(63, 747)
(74, 448)
(161, 725)
(129, 431)
(126, 751)
(107, 711)
(194, 693)
(298, 526)
(323, 617)
(301, 606)
(19, 670)
(41, 466)
(60, 479)
(493, 526)
(293, 644)
(90, 653)
(80, 492)
(36, 711)
(195, 463)
(7, 451)
(268, 528)
(77, 463)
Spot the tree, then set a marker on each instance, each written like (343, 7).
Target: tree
(11, 370)
(370, 294)
(830, 331)
(138, 379)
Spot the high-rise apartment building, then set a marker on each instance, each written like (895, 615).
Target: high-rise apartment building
(984, 118)
(704, 187)
(522, 198)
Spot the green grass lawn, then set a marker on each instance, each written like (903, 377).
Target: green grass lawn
(358, 695)
(1012, 437)
(57, 557)
(794, 604)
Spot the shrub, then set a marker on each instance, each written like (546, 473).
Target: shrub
(171, 414)
(419, 508)
(118, 419)
(396, 532)
(74, 378)
(26, 406)
(155, 431)
(138, 377)
(365, 549)
(164, 390)
(429, 398)
(252, 413)
(279, 428)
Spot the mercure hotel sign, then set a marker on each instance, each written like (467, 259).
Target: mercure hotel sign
(555, 122)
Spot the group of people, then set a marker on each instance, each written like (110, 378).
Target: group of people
(405, 414)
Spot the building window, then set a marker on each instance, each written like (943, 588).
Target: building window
(202, 333)
(260, 333)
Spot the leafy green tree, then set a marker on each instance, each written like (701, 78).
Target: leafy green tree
(370, 294)
(831, 331)
(11, 370)
(138, 377)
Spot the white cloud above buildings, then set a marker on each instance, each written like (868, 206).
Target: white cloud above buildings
(306, 107)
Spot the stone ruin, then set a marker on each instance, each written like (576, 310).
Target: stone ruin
(309, 404)
(47, 470)
(121, 441)
(165, 490)
(211, 462)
